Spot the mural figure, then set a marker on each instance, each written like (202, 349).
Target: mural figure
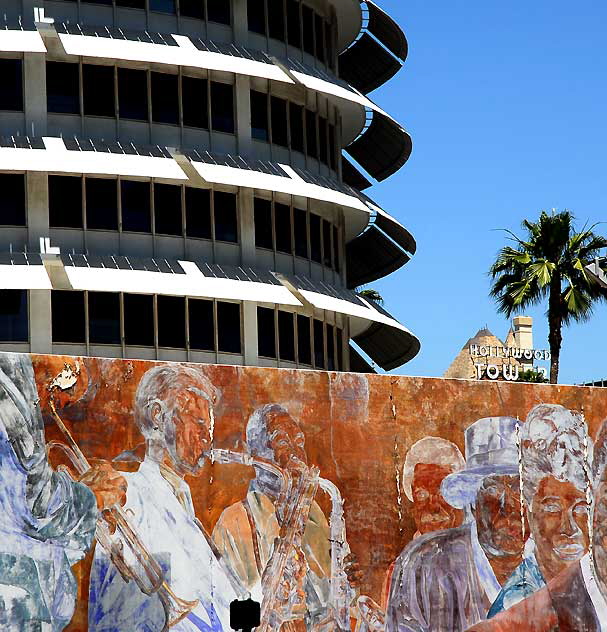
(174, 412)
(554, 476)
(576, 599)
(47, 521)
(447, 580)
(427, 463)
(246, 531)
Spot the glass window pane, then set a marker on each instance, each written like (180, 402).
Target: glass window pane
(327, 259)
(171, 321)
(192, 8)
(338, 349)
(198, 213)
(332, 148)
(98, 90)
(163, 6)
(219, 11)
(293, 23)
(139, 320)
(167, 209)
(336, 264)
(67, 316)
(11, 95)
(13, 316)
(256, 16)
(279, 121)
(62, 88)
(319, 344)
(136, 212)
(312, 145)
(286, 336)
(276, 19)
(228, 327)
(308, 29)
(259, 116)
(330, 349)
(328, 44)
(101, 203)
(322, 139)
(65, 202)
(131, 4)
(195, 102)
(104, 318)
(202, 327)
(282, 217)
(297, 125)
(315, 249)
(133, 94)
(165, 98)
(226, 217)
(319, 37)
(222, 107)
(263, 223)
(304, 348)
(12, 199)
(301, 233)
(266, 343)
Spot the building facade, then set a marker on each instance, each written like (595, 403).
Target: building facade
(177, 181)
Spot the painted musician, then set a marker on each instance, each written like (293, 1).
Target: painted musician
(246, 531)
(47, 521)
(174, 412)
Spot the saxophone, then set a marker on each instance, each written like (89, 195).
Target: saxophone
(284, 574)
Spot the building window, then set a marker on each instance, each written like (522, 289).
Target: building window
(256, 16)
(219, 11)
(282, 220)
(163, 6)
(226, 216)
(279, 122)
(11, 95)
(165, 98)
(307, 19)
(192, 9)
(198, 213)
(104, 318)
(98, 91)
(311, 143)
(276, 21)
(297, 126)
(304, 347)
(301, 232)
(260, 128)
(222, 107)
(101, 203)
(171, 321)
(62, 87)
(333, 149)
(286, 336)
(326, 244)
(336, 262)
(322, 139)
(67, 316)
(131, 4)
(319, 37)
(293, 23)
(319, 344)
(139, 320)
(135, 198)
(315, 238)
(228, 327)
(12, 199)
(13, 316)
(263, 223)
(195, 102)
(201, 324)
(65, 202)
(133, 94)
(167, 210)
(330, 349)
(266, 333)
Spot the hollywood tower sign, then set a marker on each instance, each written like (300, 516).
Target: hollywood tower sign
(506, 370)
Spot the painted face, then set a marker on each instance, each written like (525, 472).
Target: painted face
(559, 522)
(599, 534)
(431, 511)
(192, 422)
(286, 438)
(498, 516)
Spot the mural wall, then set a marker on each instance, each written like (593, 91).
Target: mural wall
(143, 497)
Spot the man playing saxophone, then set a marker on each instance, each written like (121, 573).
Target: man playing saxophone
(246, 531)
(174, 412)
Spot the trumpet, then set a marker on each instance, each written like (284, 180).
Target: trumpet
(123, 545)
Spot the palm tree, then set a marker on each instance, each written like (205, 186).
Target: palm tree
(550, 263)
(372, 295)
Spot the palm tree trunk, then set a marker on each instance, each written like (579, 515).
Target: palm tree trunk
(555, 324)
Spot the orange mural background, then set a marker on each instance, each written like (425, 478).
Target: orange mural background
(358, 429)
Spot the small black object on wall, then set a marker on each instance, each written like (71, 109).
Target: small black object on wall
(244, 615)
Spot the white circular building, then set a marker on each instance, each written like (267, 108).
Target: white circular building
(175, 182)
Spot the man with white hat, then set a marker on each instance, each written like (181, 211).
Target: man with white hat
(447, 580)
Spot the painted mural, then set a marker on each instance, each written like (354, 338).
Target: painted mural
(147, 497)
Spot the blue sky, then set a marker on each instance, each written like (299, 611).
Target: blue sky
(506, 104)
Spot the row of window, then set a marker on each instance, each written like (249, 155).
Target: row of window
(284, 123)
(11, 95)
(293, 22)
(143, 207)
(139, 95)
(297, 338)
(218, 11)
(292, 230)
(145, 320)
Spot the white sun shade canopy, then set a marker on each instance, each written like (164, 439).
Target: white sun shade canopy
(14, 277)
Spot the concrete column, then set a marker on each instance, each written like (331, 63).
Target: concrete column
(249, 318)
(246, 217)
(40, 321)
(241, 26)
(37, 209)
(34, 92)
(243, 115)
